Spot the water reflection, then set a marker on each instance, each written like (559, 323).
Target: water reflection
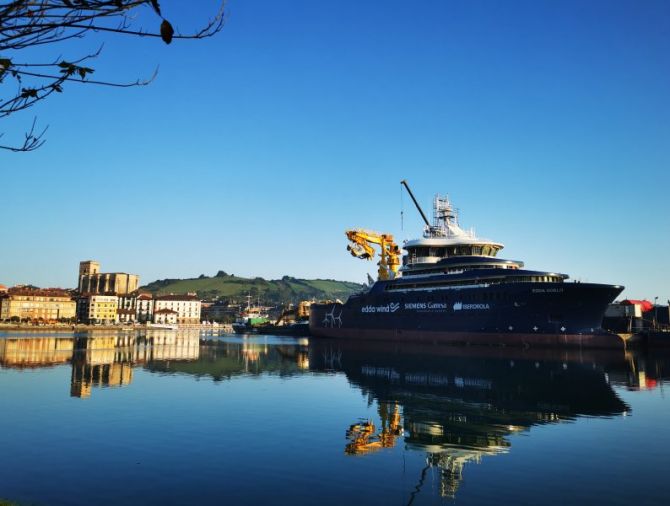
(225, 358)
(99, 359)
(460, 405)
(107, 358)
(454, 405)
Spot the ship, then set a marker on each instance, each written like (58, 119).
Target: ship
(250, 318)
(453, 288)
(292, 321)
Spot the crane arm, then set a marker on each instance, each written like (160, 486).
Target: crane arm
(425, 220)
(360, 246)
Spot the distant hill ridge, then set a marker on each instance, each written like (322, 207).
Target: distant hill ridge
(230, 287)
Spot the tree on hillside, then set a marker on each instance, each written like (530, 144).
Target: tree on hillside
(28, 25)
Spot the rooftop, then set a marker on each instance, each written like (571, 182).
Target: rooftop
(39, 292)
(177, 297)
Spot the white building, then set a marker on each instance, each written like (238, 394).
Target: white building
(187, 307)
(144, 308)
(164, 316)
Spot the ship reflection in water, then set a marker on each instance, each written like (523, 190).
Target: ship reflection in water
(459, 405)
(451, 406)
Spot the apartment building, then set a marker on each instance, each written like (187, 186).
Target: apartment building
(187, 307)
(102, 309)
(35, 304)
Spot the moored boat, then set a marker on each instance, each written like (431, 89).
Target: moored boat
(250, 318)
(293, 321)
(452, 287)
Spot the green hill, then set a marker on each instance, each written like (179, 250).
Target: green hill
(227, 287)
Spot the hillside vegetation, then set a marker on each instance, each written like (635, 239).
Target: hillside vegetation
(229, 287)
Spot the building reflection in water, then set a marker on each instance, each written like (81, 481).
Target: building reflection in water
(228, 358)
(35, 352)
(99, 358)
(107, 358)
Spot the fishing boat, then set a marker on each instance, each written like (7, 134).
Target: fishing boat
(292, 321)
(250, 318)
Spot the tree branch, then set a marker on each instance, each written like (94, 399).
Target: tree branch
(26, 24)
(31, 142)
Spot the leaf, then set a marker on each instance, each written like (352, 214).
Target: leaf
(28, 92)
(157, 8)
(67, 68)
(57, 88)
(166, 31)
(5, 63)
(82, 71)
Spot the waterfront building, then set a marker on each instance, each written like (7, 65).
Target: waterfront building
(631, 316)
(144, 308)
(126, 315)
(164, 316)
(136, 307)
(101, 309)
(187, 307)
(51, 304)
(92, 281)
(3, 289)
(127, 301)
(126, 308)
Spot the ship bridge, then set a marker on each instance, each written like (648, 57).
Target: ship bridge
(446, 239)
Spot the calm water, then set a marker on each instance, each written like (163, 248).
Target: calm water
(168, 418)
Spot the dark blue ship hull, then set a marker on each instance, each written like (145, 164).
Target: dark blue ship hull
(518, 314)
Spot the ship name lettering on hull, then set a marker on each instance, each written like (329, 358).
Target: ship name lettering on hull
(388, 308)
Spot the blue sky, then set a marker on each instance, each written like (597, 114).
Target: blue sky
(547, 123)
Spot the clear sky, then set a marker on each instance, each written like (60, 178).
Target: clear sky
(547, 123)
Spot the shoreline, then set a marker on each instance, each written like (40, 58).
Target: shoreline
(79, 327)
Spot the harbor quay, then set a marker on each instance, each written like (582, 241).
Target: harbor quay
(116, 301)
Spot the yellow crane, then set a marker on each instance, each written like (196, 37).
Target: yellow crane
(360, 246)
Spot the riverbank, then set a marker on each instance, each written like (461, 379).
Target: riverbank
(80, 327)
